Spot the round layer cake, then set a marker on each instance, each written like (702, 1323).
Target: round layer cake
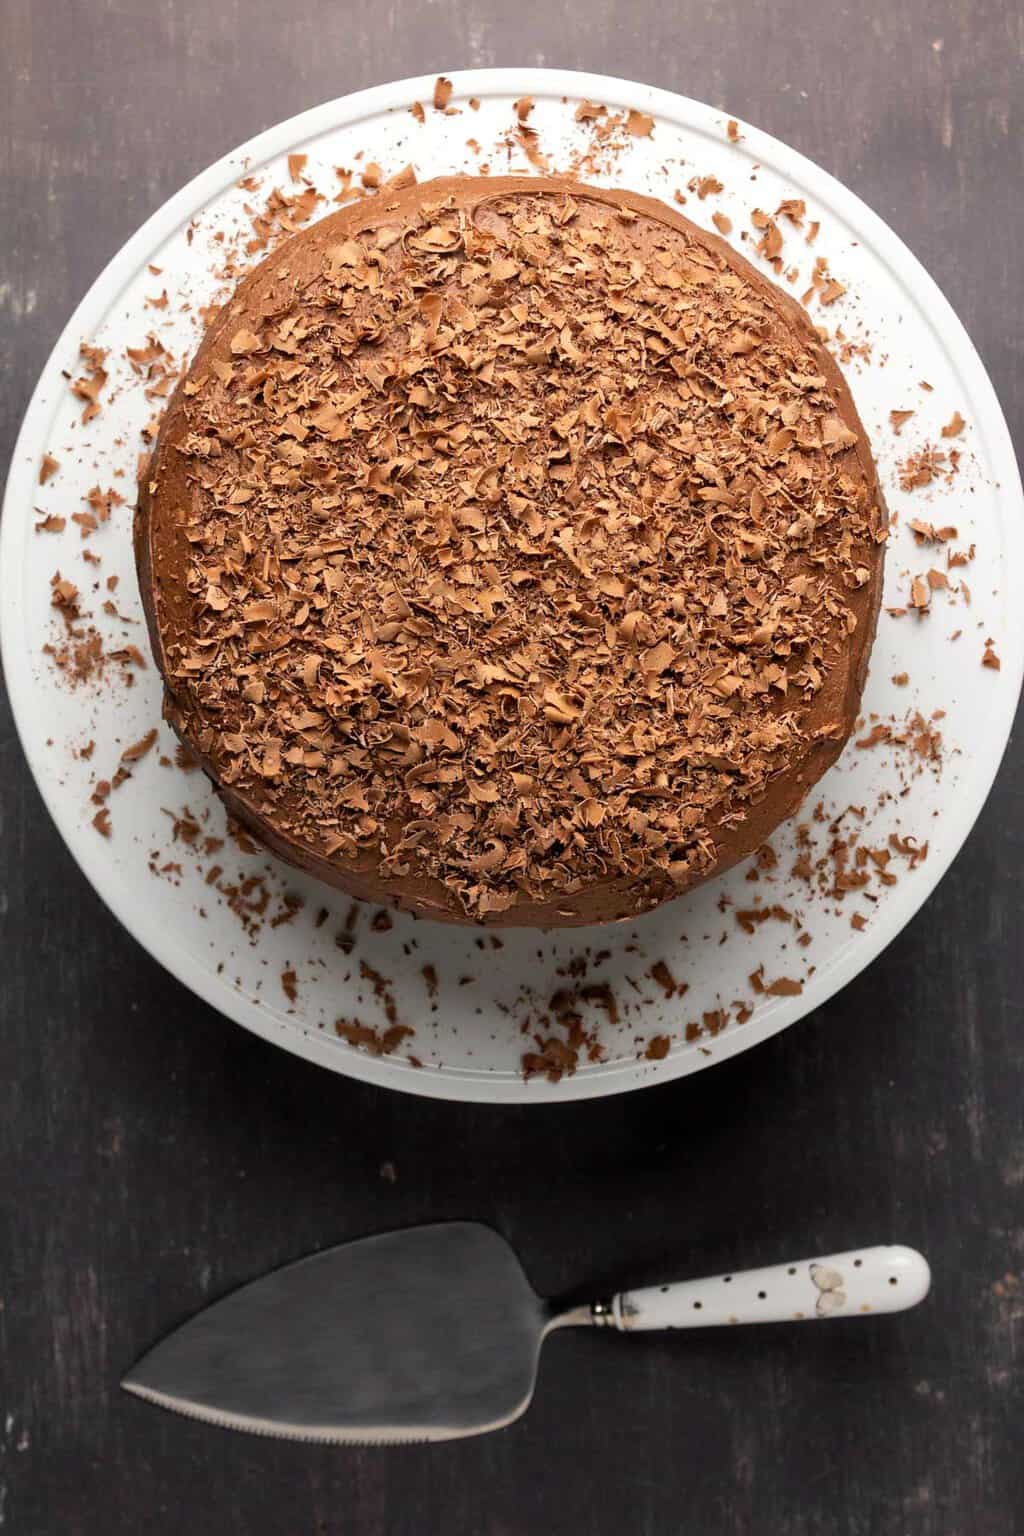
(511, 552)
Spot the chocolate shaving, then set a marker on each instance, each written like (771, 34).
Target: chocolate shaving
(91, 384)
(794, 209)
(553, 1060)
(921, 468)
(920, 593)
(784, 986)
(530, 141)
(639, 124)
(663, 976)
(925, 533)
(64, 597)
(753, 916)
(134, 753)
(377, 1042)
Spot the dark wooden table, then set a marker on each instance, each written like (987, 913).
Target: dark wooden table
(152, 1155)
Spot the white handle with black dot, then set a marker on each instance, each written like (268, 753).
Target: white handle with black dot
(854, 1284)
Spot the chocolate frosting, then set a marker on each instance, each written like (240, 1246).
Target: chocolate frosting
(511, 552)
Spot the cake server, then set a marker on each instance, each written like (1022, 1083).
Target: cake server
(434, 1333)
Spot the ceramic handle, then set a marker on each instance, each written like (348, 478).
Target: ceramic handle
(853, 1284)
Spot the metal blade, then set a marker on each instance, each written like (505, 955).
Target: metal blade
(428, 1334)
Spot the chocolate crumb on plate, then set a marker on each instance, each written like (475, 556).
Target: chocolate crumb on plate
(639, 124)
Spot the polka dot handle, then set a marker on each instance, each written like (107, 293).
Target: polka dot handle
(854, 1284)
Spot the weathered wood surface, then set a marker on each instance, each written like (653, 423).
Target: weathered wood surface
(153, 1155)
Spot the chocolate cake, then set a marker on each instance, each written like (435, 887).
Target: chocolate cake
(511, 552)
